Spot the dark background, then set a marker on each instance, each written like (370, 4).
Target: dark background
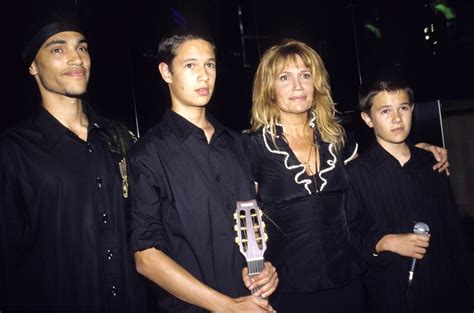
(123, 37)
(431, 43)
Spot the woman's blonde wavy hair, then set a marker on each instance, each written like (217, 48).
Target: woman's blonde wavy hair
(265, 110)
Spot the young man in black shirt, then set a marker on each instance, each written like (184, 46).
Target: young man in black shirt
(63, 228)
(395, 186)
(186, 175)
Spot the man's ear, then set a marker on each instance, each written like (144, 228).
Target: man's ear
(165, 72)
(32, 69)
(367, 119)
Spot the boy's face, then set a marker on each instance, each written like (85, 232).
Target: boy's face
(62, 65)
(192, 75)
(390, 117)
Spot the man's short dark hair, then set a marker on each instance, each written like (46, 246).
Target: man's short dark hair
(168, 46)
(389, 84)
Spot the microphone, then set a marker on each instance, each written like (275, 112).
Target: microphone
(420, 228)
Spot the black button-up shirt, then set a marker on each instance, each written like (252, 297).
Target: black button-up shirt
(183, 194)
(63, 221)
(310, 242)
(393, 197)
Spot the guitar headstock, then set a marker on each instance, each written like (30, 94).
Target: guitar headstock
(250, 228)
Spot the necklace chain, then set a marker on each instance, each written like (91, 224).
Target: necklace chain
(308, 164)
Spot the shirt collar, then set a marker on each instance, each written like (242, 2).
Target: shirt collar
(377, 155)
(52, 130)
(279, 129)
(183, 128)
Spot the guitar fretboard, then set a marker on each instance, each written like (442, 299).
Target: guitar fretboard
(255, 267)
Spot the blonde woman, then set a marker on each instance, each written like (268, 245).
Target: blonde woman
(298, 151)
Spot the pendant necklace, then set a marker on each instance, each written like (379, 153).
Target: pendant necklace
(308, 165)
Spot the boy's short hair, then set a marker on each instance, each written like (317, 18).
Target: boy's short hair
(389, 84)
(169, 44)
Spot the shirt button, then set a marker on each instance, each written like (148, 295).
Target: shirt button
(105, 218)
(218, 177)
(114, 291)
(89, 147)
(109, 255)
(99, 182)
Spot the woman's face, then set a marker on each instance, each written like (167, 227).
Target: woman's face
(294, 88)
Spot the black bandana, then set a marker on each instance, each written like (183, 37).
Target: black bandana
(52, 25)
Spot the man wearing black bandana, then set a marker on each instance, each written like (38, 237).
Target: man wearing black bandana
(63, 190)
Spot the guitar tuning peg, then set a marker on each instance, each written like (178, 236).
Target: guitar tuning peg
(266, 237)
(263, 225)
(236, 228)
(260, 212)
(236, 240)
(235, 216)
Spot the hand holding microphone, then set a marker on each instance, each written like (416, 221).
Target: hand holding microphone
(420, 228)
(412, 245)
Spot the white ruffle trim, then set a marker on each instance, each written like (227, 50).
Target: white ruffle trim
(353, 155)
(306, 182)
(331, 164)
(299, 181)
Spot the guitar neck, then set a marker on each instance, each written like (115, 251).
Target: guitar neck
(255, 267)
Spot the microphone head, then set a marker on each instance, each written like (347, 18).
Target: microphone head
(421, 228)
